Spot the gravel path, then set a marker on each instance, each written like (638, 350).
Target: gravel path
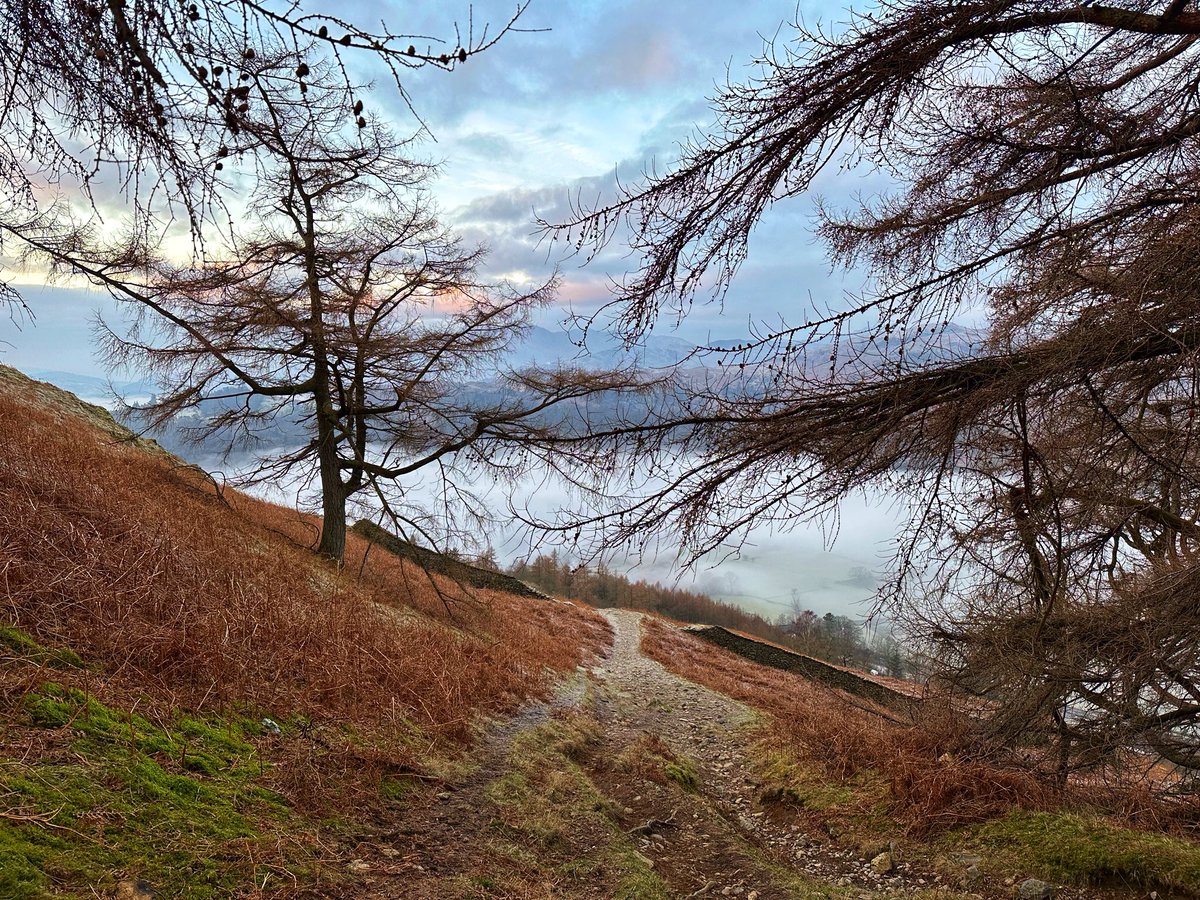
(702, 828)
(724, 844)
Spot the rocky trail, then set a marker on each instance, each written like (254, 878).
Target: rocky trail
(667, 760)
(722, 842)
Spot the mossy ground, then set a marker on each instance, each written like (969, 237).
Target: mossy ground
(554, 826)
(109, 794)
(1080, 848)
(649, 757)
(17, 645)
(855, 809)
(1067, 848)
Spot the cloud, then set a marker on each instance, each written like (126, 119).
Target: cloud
(548, 118)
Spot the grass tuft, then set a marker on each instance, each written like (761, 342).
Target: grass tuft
(1085, 849)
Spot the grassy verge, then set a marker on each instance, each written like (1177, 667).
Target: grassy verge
(552, 831)
(1079, 848)
(867, 781)
(1061, 847)
(854, 809)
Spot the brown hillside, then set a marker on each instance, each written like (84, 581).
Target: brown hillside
(205, 597)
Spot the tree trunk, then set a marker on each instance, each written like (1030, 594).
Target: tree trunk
(333, 494)
(333, 523)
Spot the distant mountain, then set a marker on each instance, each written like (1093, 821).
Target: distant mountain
(546, 347)
(99, 391)
(543, 347)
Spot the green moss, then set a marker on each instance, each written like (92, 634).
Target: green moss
(175, 804)
(1085, 849)
(16, 643)
(786, 778)
(397, 789)
(551, 817)
(683, 772)
(23, 872)
(639, 882)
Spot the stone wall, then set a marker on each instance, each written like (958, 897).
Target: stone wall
(440, 564)
(806, 666)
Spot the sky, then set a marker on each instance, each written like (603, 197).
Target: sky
(590, 89)
(614, 87)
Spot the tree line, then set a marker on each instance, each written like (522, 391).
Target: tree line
(830, 637)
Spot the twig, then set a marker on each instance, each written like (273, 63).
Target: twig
(652, 824)
(36, 818)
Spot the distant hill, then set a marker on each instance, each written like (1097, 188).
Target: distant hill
(546, 346)
(543, 347)
(99, 391)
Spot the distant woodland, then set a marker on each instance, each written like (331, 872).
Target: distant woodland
(834, 638)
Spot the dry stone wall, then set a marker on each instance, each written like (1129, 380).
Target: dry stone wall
(463, 573)
(806, 666)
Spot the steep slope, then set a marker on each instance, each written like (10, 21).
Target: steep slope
(187, 693)
(193, 705)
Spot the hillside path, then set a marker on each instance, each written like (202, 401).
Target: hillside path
(722, 843)
(669, 760)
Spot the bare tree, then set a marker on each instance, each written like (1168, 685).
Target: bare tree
(1045, 163)
(148, 97)
(344, 305)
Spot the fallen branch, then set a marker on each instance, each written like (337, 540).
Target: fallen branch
(35, 818)
(649, 827)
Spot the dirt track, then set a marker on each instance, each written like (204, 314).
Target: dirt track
(724, 839)
(704, 834)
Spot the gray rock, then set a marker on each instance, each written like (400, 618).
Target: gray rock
(135, 889)
(1033, 889)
